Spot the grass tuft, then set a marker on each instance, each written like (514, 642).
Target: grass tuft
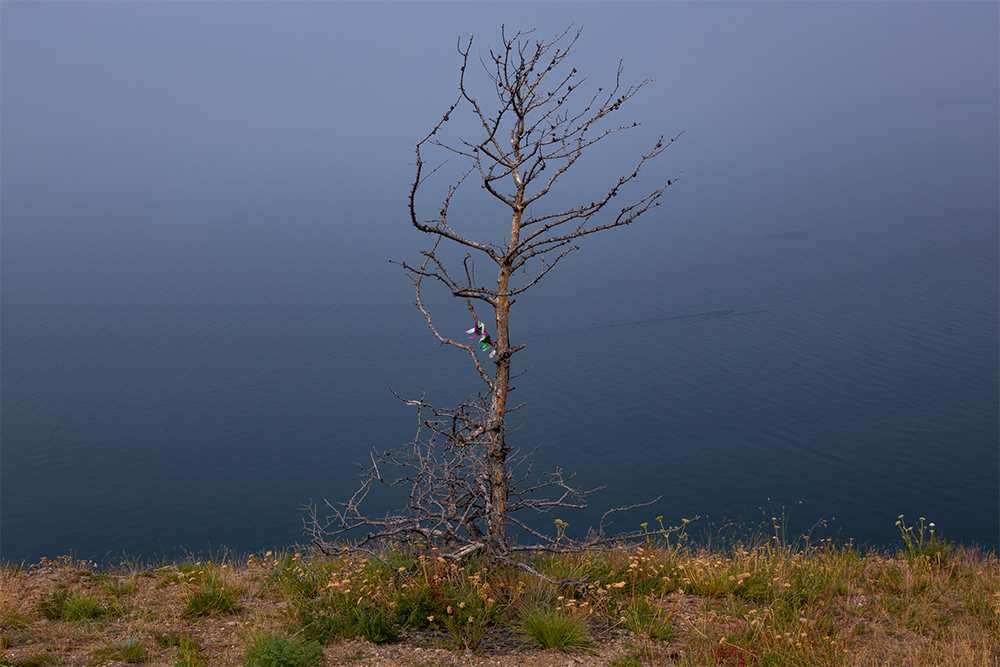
(555, 629)
(375, 626)
(83, 607)
(272, 650)
(31, 660)
(188, 652)
(211, 597)
(66, 605)
(128, 650)
(187, 645)
(116, 588)
(646, 619)
(922, 541)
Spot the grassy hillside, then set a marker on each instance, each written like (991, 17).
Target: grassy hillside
(759, 603)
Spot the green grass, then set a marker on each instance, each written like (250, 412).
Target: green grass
(642, 653)
(167, 639)
(375, 626)
(188, 652)
(187, 645)
(419, 606)
(324, 619)
(211, 597)
(128, 650)
(32, 660)
(467, 625)
(293, 579)
(272, 650)
(54, 606)
(116, 588)
(84, 607)
(647, 619)
(554, 629)
(66, 605)
(923, 541)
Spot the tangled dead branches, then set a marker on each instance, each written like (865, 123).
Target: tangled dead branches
(445, 473)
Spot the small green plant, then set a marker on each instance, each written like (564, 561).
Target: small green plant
(12, 636)
(184, 572)
(423, 603)
(211, 597)
(921, 540)
(116, 588)
(128, 650)
(82, 607)
(375, 626)
(465, 633)
(11, 618)
(33, 660)
(188, 649)
(54, 606)
(985, 607)
(631, 659)
(555, 629)
(292, 578)
(323, 619)
(645, 619)
(272, 650)
(467, 622)
(167, 639)
(66, 605)
(647, 653)
(561, 527)
(185, 567)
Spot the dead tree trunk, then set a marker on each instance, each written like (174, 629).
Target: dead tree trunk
(533, 131)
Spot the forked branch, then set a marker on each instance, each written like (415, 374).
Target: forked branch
(461, 476)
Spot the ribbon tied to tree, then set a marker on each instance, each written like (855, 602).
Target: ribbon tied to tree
(485, 342)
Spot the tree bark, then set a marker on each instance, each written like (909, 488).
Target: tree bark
(545, 140)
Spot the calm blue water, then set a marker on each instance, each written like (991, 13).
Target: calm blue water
(193, 388)
(199, 326)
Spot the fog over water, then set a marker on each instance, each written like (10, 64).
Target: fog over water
(199, 325)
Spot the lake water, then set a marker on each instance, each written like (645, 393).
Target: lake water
(191, 389)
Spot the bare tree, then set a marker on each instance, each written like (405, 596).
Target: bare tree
(535, 136)
(445, 473)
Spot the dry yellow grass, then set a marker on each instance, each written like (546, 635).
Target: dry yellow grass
(752, 605)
